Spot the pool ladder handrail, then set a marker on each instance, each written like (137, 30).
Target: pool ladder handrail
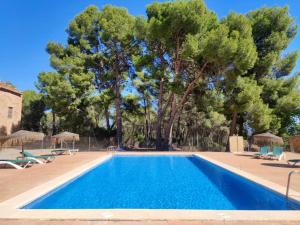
(288, 183)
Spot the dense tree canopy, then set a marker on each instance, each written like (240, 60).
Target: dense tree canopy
(33, 107)
(178, 76)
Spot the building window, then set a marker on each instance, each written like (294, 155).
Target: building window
(10, 112)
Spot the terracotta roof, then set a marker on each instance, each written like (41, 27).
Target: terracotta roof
(7, 87)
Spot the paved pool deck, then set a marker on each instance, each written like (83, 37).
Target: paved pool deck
(14, 182)
(152, 222)
(271, 170)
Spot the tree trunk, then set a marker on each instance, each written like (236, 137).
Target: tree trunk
(160, 110)
(177, 65)
(106, 114)
(177, 133)
(118, 113)
(168, 130)
(240, 125)
(146, 122)
(176, 108)
(149, 122)
(53, 123)
(159, 115)
(233, 124)
(232, 128)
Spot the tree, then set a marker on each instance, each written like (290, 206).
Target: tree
(247, 101)
(70, 98)
(97, 56)
(172, 23)
(178, 71)
(117, 37)
(154, 61)
(133, 117)
(272, 29)
(33, 108)
(145, 86)
(227, 51)
(283, 97)
(84, 33)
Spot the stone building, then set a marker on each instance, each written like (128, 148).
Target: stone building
(10, 108)
(295, 143)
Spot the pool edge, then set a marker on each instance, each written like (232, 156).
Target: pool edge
(9, 209)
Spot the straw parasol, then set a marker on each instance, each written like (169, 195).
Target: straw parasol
(2, 140)
(66, 136)
(23, 136)
(267, 138)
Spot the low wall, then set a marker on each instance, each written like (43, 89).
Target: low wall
(236, 144)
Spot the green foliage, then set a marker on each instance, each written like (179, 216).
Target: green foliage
(131, 106)
(246, 99)
(272, 30)
(285, 65)
(172, 21)
(117, 24)
(180, 69)
(248, 94)
(284, 97)
(259, 117)
(47, 123)
(33, 108)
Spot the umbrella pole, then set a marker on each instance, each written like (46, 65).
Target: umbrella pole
(271, 146)
(22, 149)
(73, 143)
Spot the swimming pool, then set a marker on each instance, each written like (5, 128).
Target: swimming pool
(161, 182)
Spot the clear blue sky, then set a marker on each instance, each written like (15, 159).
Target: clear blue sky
(27, 26)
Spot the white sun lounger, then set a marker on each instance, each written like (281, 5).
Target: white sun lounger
(34, 160)
(12, 164)
(64, 151)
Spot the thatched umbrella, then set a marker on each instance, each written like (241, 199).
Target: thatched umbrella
(66, 136)
(22, 136)
(267, 138)
(2, 140)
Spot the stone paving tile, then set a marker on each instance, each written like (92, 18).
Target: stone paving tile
(211, 222)
(253, 223)
(98, 223)
(136, 223)
(171, 222)
(43, 222)
(181, 222)
(262, 222)
(195, 222)
(77, 222)
(291, 223)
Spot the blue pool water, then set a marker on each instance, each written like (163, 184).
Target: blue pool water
(161, 182)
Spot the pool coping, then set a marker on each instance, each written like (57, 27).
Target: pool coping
(9, 209)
